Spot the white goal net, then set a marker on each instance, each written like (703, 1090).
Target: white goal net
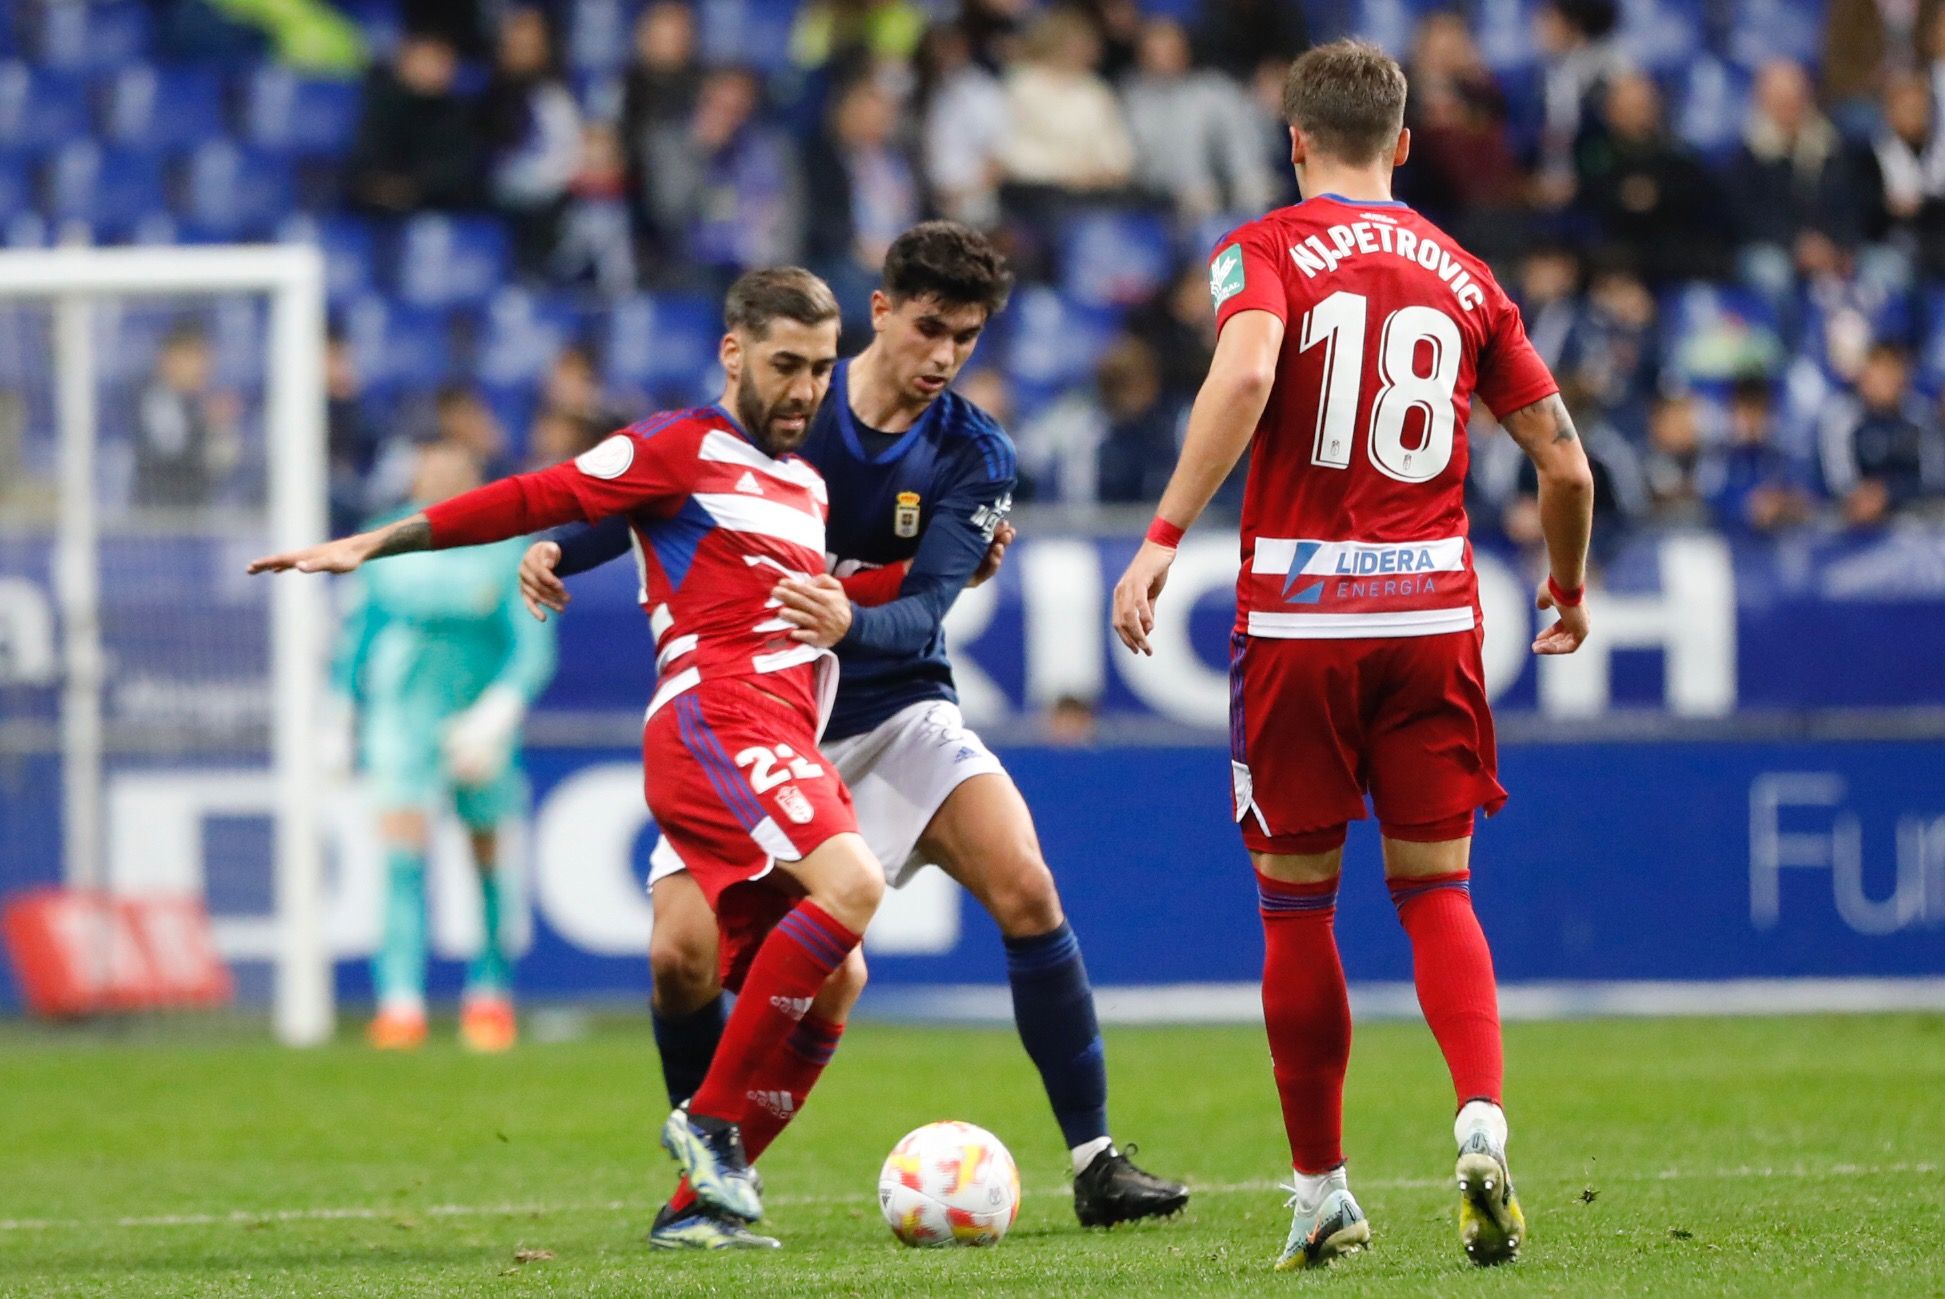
(161, 422)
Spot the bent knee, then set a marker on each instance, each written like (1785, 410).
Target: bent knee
(1021, 896)
(683, 968)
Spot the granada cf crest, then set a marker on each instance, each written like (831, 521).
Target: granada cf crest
(795, 805)
(904, 516)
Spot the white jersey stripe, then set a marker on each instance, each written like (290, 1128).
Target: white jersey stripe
(782, 659)
(759, 516)
(727, 448)
(675, 649)
(685, 680)
(1360, 626)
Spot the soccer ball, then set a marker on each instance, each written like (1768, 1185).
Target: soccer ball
(949, 1184)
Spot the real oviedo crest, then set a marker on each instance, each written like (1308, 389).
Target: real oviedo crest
(904, 515)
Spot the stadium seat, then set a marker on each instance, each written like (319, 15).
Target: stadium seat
(109, 189)
(97, 36)
(1931, 347)
(1661, 36)
(600, 35)
(1052, 344)
(27, 230)
(753, 33)
(41, 109)
(397, 345)
(1504, 32)
(450, 261)
(239, 329)
(350, 251)
(304, 117)
(520, 335)
(664, 347)
(16, 184)
(1388, 23)
(235, 193)
(1761, 30)
(382, 21)
(1709, 104)
(1113, 258)
(156, 108)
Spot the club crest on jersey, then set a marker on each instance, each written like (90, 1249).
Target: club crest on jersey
(1226, 275)
(904, 515)
(795, 805)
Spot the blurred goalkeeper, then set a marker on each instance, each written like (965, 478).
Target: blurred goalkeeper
(440, 661)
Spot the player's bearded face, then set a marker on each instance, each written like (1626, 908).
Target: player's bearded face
(781, 383)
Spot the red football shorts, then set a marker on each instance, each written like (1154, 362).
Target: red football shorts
(1315, 725)
(736, 783)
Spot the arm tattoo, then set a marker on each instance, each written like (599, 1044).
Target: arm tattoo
(1566, 431)
(1546, 420)
(403, 538)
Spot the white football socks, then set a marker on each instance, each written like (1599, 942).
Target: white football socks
(1476, 1116)
(1085, 1152)
(1311, 1188)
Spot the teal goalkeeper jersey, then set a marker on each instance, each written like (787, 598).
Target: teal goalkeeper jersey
(427, 634)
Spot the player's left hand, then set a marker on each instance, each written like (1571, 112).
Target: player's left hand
(817, 607)
(1566, 635)
(989, 565)
(1136, 593)
(340, 556)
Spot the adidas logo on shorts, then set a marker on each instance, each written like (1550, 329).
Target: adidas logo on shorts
(795, 1007)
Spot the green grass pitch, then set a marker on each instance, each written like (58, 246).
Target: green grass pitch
(1666, 1158)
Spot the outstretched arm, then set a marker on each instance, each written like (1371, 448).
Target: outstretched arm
(1545, 431)
(1221, 424)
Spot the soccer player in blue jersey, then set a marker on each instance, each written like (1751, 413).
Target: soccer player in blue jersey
(921, 478)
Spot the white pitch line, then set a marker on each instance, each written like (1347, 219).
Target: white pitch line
(371, 1213)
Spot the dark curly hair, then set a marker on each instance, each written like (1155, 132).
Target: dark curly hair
(951, 262)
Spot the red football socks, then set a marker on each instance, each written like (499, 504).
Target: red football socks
(1308, 1015)
(1453, 969)
(779, 1091)
(789, 970)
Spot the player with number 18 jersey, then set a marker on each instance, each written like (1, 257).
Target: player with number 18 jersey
(1354, 525)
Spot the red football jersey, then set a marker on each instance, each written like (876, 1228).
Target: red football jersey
(1354, 518)
(715, 523)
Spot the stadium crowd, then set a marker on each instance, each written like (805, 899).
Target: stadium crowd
(1727, 231)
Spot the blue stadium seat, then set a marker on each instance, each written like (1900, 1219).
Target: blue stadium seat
(1111, 258)
(41, 109)
(1661, 36)
(1700, 308)
(95, 36)
(1052, 344)
(1931, 348)
(520, 335)
(1388, 23)
(1709, 104)
(239, 331)
(382, 22)
(600, 35)
(350, 251)
(26, 230)
(154, 108)
(1761, 30)
(450, 261)
(16, 184)
(235, 193)
(1504, 31)
(304, 117)
(396, 345)
(127, 334)
(664, 347)
(753, 33)
(109, 189)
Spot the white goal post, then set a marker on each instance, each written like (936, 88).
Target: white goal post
(73, 282)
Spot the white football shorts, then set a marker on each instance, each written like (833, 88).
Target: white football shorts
(899, 774)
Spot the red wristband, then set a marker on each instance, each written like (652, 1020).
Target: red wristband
(1164, 533)
(1564, 597)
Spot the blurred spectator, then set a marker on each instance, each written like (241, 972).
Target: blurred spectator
(1180, 330)
(534, 127)
(419, 138)
(993, 28)
(351, 441)
(963, 110)
(1647, 192)
(665, 76)
(462, 417)
(1071, 722)
(596, 242)
(723, 188)
(1193, 131)
(855, 33)
(862, 192)
(1238, 36)
(1065, 130)
(1673, 463)
(559, 435)
(1578, 55)
(573, 387)
(1120, 26)
(1789, 186)
(1881, 450)
(1619, 491)
(186, 437)
(986, 389)
(1550, 302)
(1751, 482)
(1614, 353)
(1902, 174)
(1138, 442)
(1462, 171)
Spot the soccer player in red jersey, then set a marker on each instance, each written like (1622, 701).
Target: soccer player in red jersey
(728, 535)
(1354, 335)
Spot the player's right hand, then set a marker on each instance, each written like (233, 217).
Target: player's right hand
(989, 563)
(540, 587)
(1135, 595)
(1566, 635)
(340, 556)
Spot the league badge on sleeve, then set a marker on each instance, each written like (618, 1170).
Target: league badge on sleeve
(1226, 276)
(904, 515)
